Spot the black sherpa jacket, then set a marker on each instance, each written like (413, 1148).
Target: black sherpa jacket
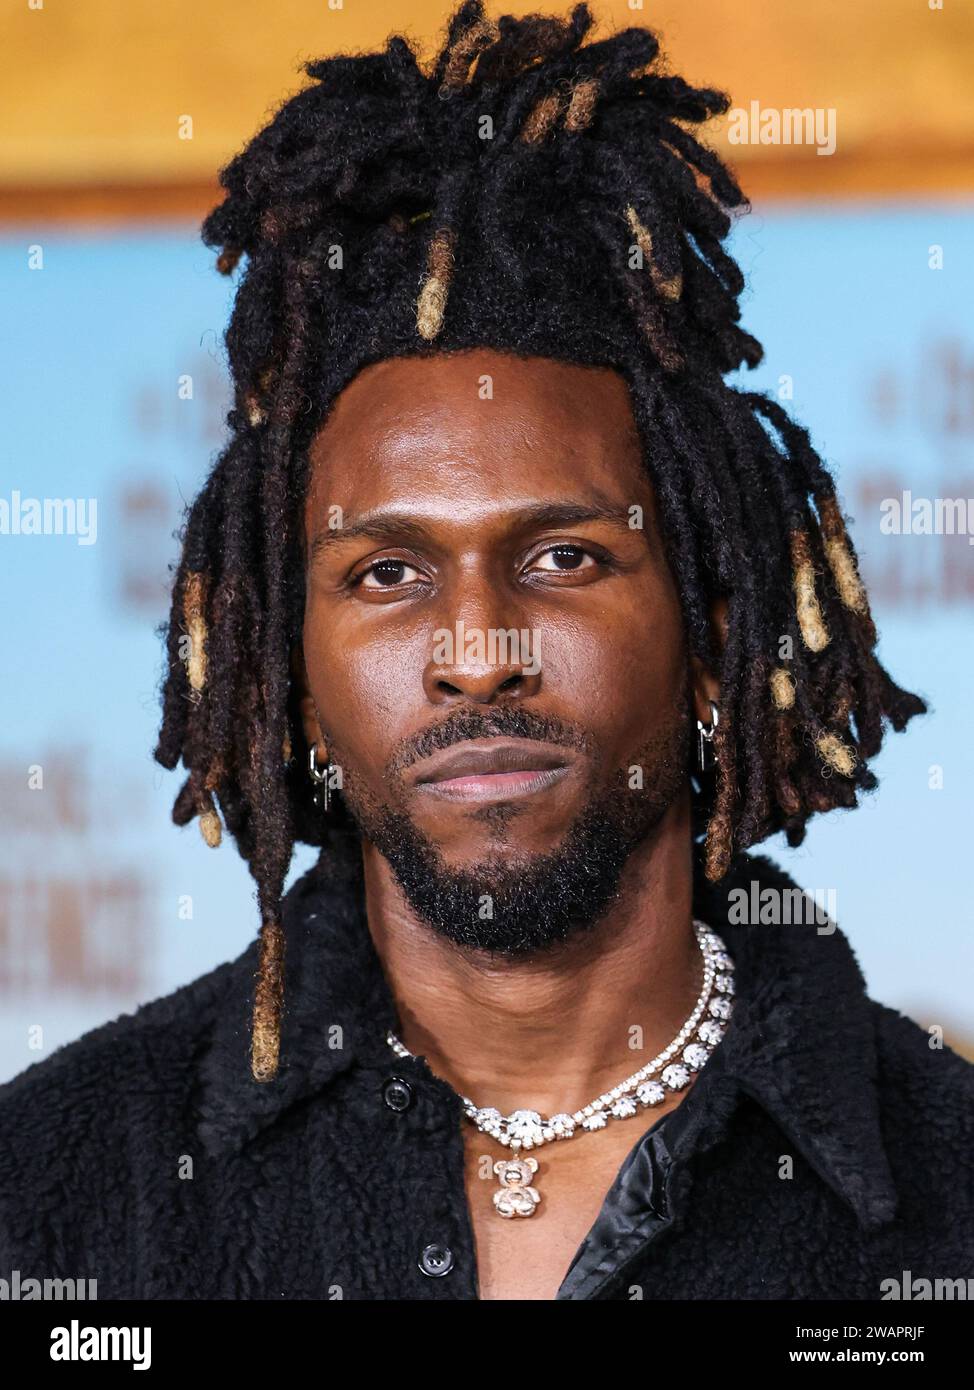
(143, 1156)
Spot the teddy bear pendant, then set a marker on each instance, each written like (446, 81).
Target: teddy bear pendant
(515, 1196)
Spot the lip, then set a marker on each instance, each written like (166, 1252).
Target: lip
(492, 770)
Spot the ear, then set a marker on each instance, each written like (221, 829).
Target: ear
(704, 683)
(305, 702)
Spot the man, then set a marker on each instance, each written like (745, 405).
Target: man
(502, 597)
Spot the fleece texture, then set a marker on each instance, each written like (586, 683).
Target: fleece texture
(823, 1152)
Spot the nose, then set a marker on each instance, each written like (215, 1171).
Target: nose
(482, 665)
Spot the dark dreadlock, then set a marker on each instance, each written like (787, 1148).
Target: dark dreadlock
(540, 195)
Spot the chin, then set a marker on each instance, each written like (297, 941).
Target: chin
(497, 845)
(515, 830)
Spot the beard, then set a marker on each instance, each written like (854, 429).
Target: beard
(521, 905)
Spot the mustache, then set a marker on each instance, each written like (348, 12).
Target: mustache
(502, 722)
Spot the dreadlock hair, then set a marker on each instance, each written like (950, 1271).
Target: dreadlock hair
(534, 193)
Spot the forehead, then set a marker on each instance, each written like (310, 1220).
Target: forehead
(478, 424)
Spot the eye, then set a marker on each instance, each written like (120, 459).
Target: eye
(387, 574)
(564, 559)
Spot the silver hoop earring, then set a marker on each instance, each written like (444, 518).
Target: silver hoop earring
(705, 739)
(321, 796)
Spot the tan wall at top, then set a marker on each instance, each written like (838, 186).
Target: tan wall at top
(93, 89)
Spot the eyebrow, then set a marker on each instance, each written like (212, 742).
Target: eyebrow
(381, 525)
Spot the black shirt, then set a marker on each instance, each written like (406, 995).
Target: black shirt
(824, 1150)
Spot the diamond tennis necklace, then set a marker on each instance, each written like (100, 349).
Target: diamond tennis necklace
(526, 1129)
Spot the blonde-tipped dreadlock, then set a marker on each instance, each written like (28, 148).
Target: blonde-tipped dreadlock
(193, 600)
(210, 827)
(836, 754)
(815, 634)
(718, 844)
(268, 1001)
(461, 54)
(782, 688)
(588, 141)
(436, 286)
(581, 107)
(194, 607)
(670, 287)
(850, 586)
(542, 118)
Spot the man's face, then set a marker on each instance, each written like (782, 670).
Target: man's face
(493, 641)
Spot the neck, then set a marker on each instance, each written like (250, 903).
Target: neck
(552, 1032)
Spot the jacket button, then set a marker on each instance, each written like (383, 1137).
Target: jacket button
(397, 1093)
(436, 1260)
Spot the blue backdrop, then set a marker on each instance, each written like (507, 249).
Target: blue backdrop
(116, 391)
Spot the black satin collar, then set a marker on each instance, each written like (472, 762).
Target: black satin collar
(639, 1203)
